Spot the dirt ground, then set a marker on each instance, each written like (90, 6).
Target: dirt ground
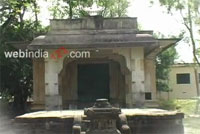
(6, 125)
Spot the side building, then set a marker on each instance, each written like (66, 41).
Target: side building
(183, 81)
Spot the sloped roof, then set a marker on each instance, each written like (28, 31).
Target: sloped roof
(97, 32)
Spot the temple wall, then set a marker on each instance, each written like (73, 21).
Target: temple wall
(115, 40)
(53, 100)
(137, 73)
(38, 84)
(117, 84)
(135, 63)
(68, 85)
(150, 77)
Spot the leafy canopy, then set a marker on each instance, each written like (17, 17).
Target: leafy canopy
(77, 8)
(163, 62)
(16, 74)
(189, 11)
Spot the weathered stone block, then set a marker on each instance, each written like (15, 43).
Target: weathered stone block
(53, 102)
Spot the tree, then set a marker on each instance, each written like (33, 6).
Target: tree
(189, 11)
(76, 8)
(16, 74)
(113, 8)
(69, 8)
(163, 62)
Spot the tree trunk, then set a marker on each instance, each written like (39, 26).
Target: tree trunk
(35, 12)
(197, 80)
(197, 88)
(70, 9)
(190, 29)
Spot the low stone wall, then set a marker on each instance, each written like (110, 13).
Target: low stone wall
(44, 126)
(160, 122)
(170, 124)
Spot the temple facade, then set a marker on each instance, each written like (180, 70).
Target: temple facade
(120, 65)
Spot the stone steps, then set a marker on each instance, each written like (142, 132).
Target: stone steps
(151, 104)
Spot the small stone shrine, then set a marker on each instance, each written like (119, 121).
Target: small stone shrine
(120, 68)
(103, 119)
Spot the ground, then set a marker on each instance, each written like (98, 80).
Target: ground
(187, 106)
(191, 125)
(5, 125)
(191, 121)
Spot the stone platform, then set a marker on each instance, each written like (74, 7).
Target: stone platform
(141, 121)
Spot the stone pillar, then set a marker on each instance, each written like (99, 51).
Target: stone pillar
(125, 52)
(38, 84)
(135, 91)
(150, 77)
(128, 91)
(53, 100)
(137, 76)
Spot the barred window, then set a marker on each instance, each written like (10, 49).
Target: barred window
(183, 78)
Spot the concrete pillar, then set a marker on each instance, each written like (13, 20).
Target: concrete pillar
(53, 100)
(137, 76)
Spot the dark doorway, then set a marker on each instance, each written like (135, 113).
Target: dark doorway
(93, 82)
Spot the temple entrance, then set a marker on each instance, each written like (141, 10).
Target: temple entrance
(81, 82)
(93, 82)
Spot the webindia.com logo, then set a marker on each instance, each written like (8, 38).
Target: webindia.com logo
(40, 53)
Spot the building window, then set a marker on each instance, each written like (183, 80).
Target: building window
(183, 78)
(148, 96)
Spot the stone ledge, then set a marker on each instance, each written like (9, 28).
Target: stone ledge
(67, 114)
(141, 121)
(94, 22)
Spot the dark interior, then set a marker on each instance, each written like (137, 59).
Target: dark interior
(93, 82)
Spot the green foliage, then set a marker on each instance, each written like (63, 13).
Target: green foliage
(167, 104)
(16, 74)
(189, 11)
(113, 8)
(180, 4)
(69, 8)
(187, 106)
(163, 63)
(76, 8)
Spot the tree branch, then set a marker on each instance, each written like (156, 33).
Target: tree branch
(190, 30)
(4, 8)
(192, 35)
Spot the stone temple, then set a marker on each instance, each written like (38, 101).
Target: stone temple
(121, 66)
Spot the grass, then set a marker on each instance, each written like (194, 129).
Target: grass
(187, 106)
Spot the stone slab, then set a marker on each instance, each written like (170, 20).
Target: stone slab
(141, 121)
(62, 114)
